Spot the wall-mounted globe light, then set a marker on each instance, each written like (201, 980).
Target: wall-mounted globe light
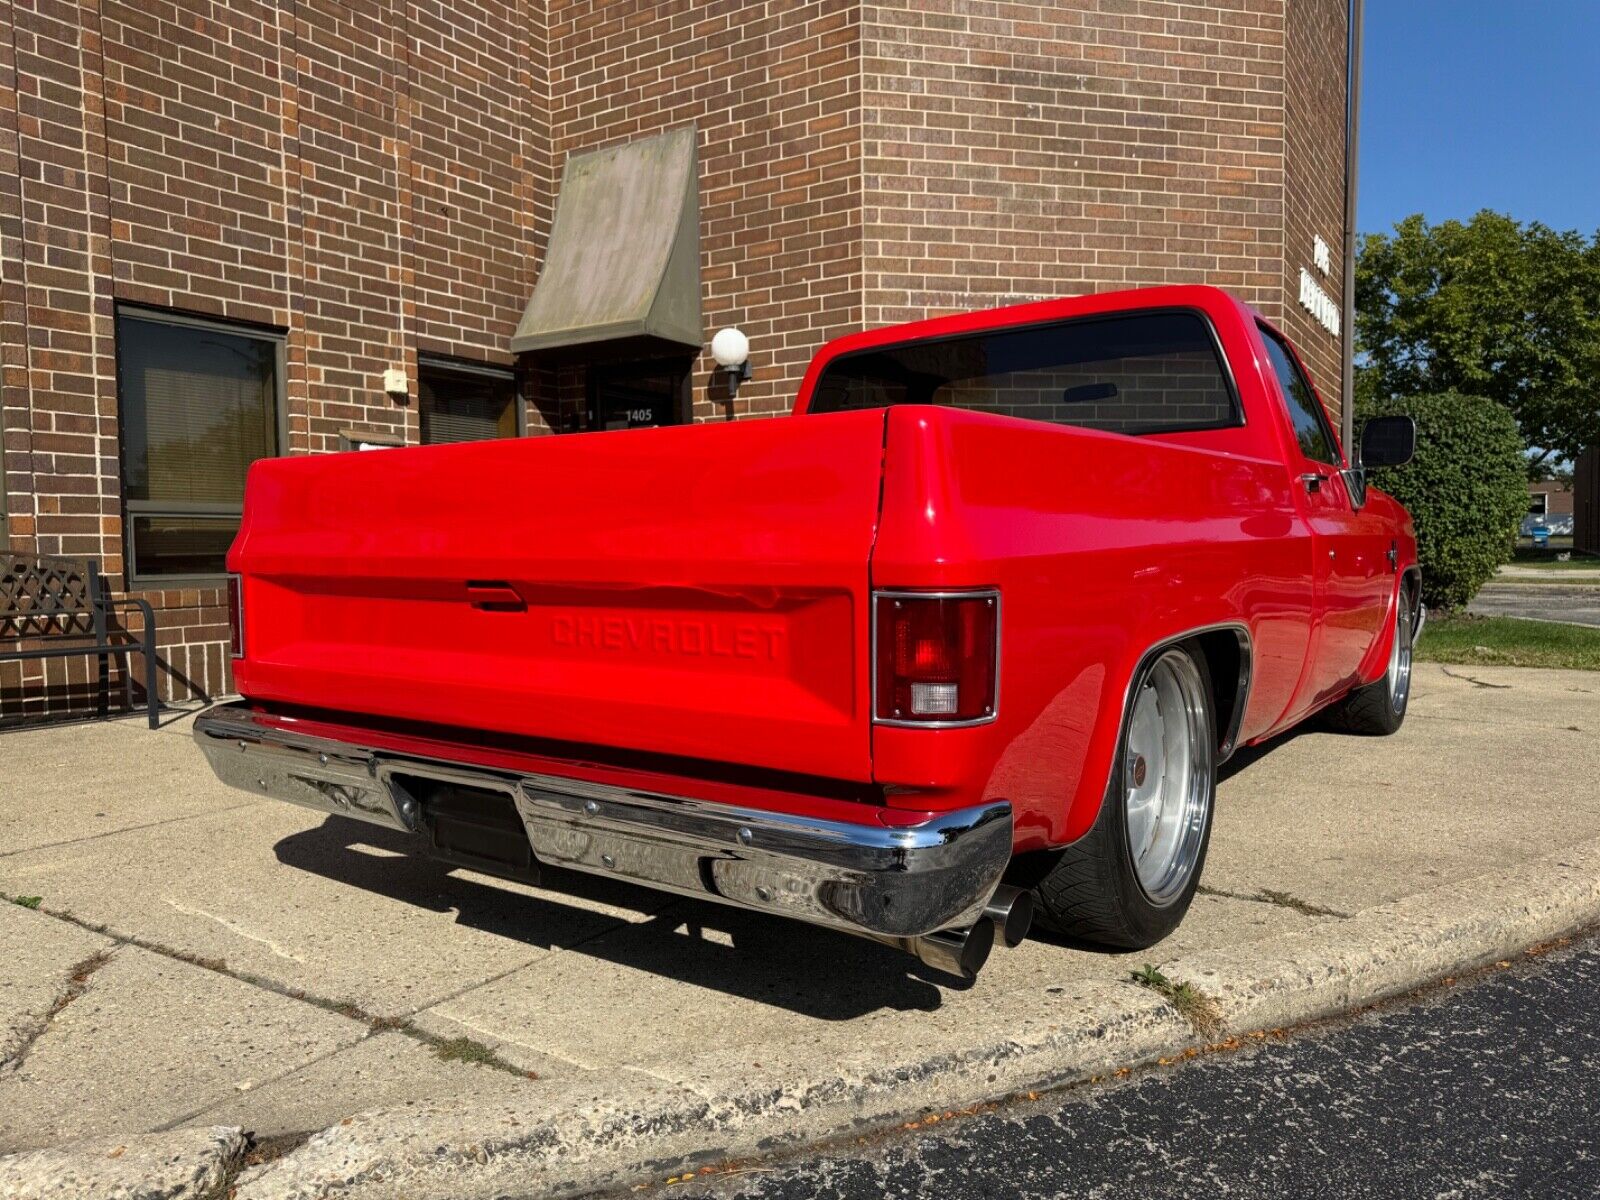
(731, 349)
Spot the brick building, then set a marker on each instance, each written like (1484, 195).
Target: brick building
(231, 228)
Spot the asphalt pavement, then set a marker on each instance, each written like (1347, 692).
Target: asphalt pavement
(1487, 1089)
(1573, 602)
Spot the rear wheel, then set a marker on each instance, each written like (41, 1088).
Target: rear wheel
(1131, 878)
(1380, 707)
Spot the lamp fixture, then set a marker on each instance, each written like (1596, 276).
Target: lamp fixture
(731, 350)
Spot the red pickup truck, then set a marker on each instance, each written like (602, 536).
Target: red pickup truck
(964, 637)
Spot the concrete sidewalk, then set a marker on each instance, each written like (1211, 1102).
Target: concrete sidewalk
(201, 959)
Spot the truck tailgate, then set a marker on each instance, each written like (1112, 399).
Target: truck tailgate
(696, 591)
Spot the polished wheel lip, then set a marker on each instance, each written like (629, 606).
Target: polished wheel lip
(1397, 679)
(1166, 814)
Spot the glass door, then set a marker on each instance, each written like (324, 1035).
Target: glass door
(637, 395)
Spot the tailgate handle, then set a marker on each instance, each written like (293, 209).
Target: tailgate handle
(495, 595)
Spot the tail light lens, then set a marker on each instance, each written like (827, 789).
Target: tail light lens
(938, 657)
(235, 616)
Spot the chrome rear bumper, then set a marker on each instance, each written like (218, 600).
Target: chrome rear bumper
(923, 887)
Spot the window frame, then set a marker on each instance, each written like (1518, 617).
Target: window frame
(137, 581)
(1224, 365)
(465, 366)
(1334, 444)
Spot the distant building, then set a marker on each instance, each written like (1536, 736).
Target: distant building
(1586, 502)
(1549, 507)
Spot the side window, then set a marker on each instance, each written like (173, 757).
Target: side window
(1305, 410)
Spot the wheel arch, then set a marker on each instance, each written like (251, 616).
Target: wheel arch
(1229, 655)
(1228, 650)
(1412, 577)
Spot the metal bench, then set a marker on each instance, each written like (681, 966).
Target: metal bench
(59, 608)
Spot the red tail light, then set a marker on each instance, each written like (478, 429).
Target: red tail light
(236, 616)
(938, 657)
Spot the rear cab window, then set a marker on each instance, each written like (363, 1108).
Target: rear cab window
(1137, 373)
(1306, 414)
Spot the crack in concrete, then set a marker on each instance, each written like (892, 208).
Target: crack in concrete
(1276, 899)
(1502, 687)
(235, 928)
(434, 1039)
(220, 967)
(95, 837)
(77, 983)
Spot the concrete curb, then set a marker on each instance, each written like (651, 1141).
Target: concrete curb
(183, 1164)
(1397, 947)
(585, 1135)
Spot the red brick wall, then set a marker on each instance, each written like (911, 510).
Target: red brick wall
(1314, 115)
(377, 178)
(62, 438)
(1023, 151)
(1558, 497)
(774, 89)
(371, 179)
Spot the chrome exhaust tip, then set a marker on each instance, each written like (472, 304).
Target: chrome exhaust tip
(958, 952)
(1010, 911)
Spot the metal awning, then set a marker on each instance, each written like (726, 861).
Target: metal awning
(624, 257)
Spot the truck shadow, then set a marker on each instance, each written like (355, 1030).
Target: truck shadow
(786, 964)
(1246, 757)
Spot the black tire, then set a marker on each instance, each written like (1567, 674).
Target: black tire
(1378, 709)
(1092, 893)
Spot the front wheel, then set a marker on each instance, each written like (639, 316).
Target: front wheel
(1380, 707)
(1129, 881)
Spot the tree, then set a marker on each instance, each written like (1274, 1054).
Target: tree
(1489, 307)
(1466, 489)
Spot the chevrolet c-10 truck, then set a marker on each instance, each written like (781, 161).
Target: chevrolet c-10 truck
(961, 641)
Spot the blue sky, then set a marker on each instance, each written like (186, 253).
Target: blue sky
(1470, 104)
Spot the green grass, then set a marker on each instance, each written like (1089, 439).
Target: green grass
(28, 901)
(1508, 642)
(465, 1050)
(1192, 1004)
(1527, 556)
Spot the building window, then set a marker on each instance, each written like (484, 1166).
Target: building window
(1538, 504)
(200, 401)
(465, 402)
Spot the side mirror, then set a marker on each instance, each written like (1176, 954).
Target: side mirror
(1388, 441)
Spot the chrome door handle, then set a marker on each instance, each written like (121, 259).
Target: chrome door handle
(1313, 480)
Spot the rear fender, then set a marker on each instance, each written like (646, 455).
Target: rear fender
(1230, 697)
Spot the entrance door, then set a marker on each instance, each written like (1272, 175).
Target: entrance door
(638, 394)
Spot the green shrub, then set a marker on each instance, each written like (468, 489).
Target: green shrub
(1466, 488)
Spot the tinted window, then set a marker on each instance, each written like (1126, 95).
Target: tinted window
(460, 403)
(1143, 373)
(1305, 410)
(199, 404)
